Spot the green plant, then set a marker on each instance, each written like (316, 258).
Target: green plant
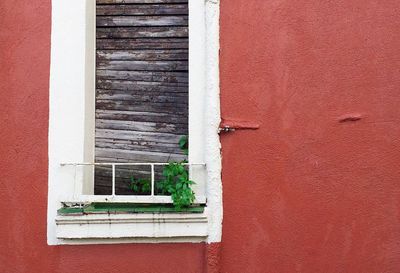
(184, 144)
(140, 185)
(175, 181)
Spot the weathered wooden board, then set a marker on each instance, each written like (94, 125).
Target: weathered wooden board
(142, 43)
(140, 107)
(135, 145)
(141, 126)
(152, 9)
(136, 95)
(140, 156)
(141, 86)
(138, 136)
(144, 76)
(158, 87)
(143, 55)
(102, 2)
(143, 99)
(132, 21)
(143, 65)
(141, 32)
(142, 116)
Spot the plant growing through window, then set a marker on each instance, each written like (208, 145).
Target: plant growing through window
(175, 181)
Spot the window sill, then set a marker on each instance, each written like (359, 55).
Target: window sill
(106, 223)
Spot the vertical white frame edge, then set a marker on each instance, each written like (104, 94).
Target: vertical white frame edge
(213, 119)
(204, 106)
(72, 81)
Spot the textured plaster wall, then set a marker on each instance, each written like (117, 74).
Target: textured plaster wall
(317, 187)
(314, 189)
(24, 78)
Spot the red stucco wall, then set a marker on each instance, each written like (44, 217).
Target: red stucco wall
(314, 189)
(306, 192)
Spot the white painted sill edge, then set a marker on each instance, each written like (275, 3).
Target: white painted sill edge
(132, 227)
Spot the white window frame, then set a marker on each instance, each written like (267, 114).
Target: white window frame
(71, 131)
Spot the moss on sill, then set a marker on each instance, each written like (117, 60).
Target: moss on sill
(114, 208)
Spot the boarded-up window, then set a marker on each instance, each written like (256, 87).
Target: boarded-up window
(141, 86)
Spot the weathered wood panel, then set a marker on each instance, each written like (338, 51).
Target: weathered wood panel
(132, 21)
(102, 2)
(136, 145)
(141, 86)
(141, 32)
(143, 65)
(144, 76)
(142, 99)
(140, 107)
(152, 9)
(138, 136)
(143, 55)
(142, 43)
(140, 126)
(141, 116)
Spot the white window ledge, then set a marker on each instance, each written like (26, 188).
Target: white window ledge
(146, 227)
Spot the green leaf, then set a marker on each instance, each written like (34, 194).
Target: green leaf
(176, 181)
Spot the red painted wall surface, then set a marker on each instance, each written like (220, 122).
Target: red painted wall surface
(317, 187)
(24, 78)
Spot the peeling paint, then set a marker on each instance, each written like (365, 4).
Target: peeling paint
(350, 117)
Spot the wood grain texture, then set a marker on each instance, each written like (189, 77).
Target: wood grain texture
(141, 116)
(144, 76)
(103, 2)
(132, 21)
(143, 65)
(141, 32)
(141, 86)
(142, 43)
(143, 55)
(151, 9)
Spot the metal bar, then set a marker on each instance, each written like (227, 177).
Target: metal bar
(141, 199)
(113, 179)
(126, 164)
(152, 179)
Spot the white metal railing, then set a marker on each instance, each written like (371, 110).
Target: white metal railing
(152, 198)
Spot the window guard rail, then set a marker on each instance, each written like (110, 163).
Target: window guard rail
(152, 198)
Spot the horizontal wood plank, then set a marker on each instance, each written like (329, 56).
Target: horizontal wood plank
(143, 43)
(143, 98)
(150, 9)
(138, 156)
(136, 145)
(132, 21)
(175, 118)
(141, 126)
(139, 107)
(143, 55)
(104, 2)
(142, 32)
(138, 136)
(143, 65)
(144, 76)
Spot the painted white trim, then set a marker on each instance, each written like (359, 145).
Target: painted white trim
(141, 225)
(134, 240)
(212, 121)
(71, 74)
(71, 128)
(140, 199)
